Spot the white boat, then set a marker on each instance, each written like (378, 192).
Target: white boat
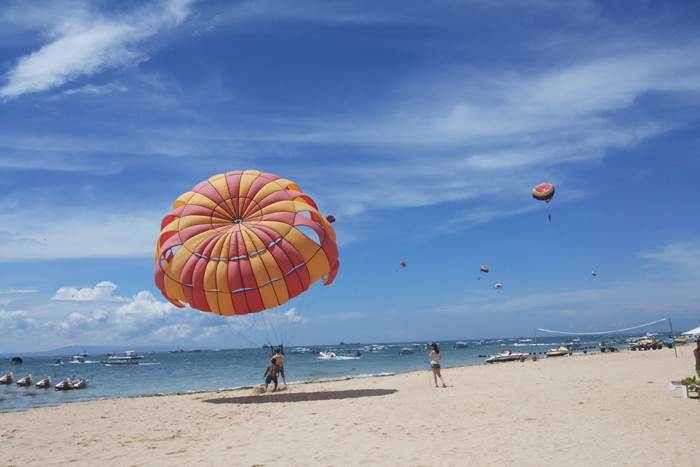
(300, 350)
(460, 345)
(405, 351)
(7, 378)
(80, 358)
(507, 356)
(524, 341)
(327, 355)
(129, 358)
(69, 384)
(558, 352)
(24, 382)
(44, 383)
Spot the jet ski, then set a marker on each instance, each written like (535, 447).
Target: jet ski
(79, 383)
(560, 352)
(70, 384)
(44, 383)
(327, 355)
(508, 356)
(7, 378)
(24, 382)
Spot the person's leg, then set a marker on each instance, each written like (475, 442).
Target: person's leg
(435, 376)
(274, 380)
(439, 372)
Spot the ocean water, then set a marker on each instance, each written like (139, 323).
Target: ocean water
(166, 372)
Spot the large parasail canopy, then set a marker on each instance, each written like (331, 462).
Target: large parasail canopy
(242, 242)
(543, 192)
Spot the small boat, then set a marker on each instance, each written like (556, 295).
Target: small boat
(129, 358)
(374, 348)
(44, 383)
(508, 356)
(24, 382)
(58, 362)
(327, 355)
(69, 384)
(77, 359)
(558, 352)
(352, 354)
(460, 345)
(301, 350)
(7, 378)
(405, 351)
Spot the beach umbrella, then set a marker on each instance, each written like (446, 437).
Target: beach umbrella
(243, 242)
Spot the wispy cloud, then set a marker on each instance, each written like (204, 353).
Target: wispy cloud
(96, 89)
(77, 234)
(682, 256)
(89, 42)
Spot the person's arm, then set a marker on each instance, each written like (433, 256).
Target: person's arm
(267, 370)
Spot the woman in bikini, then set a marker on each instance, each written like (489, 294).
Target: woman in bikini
(435, 357)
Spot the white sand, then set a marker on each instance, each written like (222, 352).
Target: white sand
(607, 409)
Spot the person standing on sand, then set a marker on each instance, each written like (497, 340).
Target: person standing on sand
(696, 352)
(278, 359)
(435, 358)
(271, 376)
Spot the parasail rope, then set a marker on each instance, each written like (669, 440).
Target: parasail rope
(615, 331)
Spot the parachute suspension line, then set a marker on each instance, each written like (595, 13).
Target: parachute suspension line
(246, 338)
(614, 331)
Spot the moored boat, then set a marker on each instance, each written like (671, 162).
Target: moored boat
(129, 358)
(405, 351)
(7, 378)
(508, 356)
(44, 383)
(25, 381)
(69, 384)
(558, 352)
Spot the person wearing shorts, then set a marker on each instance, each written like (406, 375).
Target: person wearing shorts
(696, 352)
(435, 357)
(271, 376)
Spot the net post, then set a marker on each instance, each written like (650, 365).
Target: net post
(673, 343)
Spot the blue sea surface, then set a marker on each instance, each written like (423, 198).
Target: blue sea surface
(205, 370)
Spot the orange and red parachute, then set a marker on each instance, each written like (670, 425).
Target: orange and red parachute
(242, 242)
(543, 192)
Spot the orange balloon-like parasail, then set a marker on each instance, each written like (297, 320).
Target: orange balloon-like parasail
(543, 192)
(243, 242)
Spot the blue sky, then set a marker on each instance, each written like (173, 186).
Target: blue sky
(421, 126)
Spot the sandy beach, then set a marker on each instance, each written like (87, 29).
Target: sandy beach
(613, 409)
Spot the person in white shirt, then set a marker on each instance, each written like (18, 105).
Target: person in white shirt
(435, 357)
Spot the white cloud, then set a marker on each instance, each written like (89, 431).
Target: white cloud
(103, 291)
(87, 43)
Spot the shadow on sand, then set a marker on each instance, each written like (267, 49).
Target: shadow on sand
(302, 396)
